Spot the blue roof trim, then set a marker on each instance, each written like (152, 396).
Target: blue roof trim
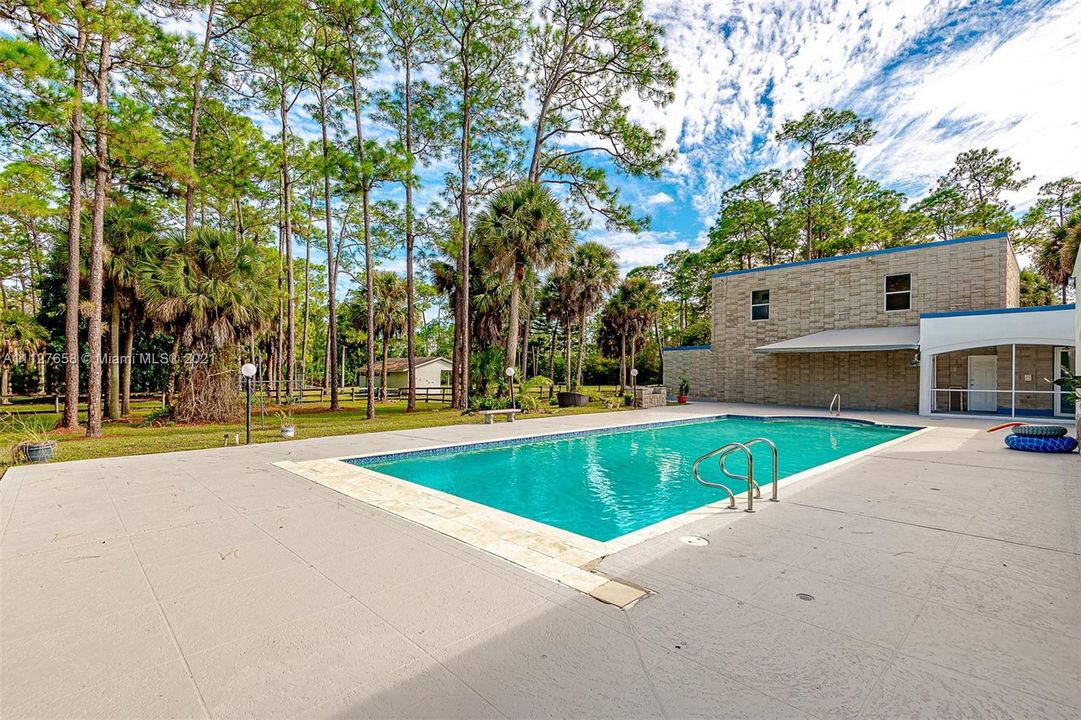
(999, 311)
(868, 253)
(688, 347)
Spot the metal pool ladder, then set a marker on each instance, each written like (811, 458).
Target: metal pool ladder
(753, 489)
(835, 401)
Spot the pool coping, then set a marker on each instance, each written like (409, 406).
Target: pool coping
(557, 554)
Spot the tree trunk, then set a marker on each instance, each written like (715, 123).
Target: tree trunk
(332, 270)
(170, 374)
(383, 372)
(552, 359)
(287, 193)
(634, 343)
(526, 327)
(369, 284)
(193, 122)
(40, 360)
(511, 359)
(660, 348)
(410, 290)
(114, 359)
(279, 350)
(462, 330)
(307, 296)
(581, 348)
(125, 381)
(5, 384)
(567, 358)
(622, 363)
(97, 232)
(75, 182)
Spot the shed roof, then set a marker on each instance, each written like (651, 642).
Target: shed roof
(395, 365)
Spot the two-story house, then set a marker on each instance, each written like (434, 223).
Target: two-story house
(935, 327)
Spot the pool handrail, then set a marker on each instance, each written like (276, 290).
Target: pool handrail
(711, 453)
(758, 490)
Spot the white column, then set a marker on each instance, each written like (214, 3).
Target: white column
(927, 382)
(1013, 380)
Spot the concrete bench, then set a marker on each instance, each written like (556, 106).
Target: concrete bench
(489, 415)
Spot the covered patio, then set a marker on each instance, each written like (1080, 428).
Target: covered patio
(997, 362)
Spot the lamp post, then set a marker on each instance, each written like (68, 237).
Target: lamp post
(248, 370)
(509, 372)
(634, 383)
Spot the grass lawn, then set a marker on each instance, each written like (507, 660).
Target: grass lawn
(312, 420)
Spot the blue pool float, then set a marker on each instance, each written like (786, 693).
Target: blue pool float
(1041, 444)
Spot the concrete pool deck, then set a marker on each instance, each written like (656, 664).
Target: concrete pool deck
(945, 573)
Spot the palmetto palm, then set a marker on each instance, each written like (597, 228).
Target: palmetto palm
(214, 289)
(391, 314)
(523, 226)
(20, 334)
(211, 291)
(593, 273)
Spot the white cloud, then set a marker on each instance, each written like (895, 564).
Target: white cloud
(1017, 95)
(659, 198)
(937, 76)
(644, 248)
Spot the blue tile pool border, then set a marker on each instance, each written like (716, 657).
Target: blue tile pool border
(366, 460)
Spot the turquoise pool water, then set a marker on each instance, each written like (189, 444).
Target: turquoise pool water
(610, 483)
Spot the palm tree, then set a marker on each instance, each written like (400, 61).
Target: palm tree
(391, 312)
(20, 334)
(1056, 258)
(523, 226)
(594, 273)
(214, 291)
(629, 312)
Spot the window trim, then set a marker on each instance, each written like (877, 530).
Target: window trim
(766, 304)
(887, 293)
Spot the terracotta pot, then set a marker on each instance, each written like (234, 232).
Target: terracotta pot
(681, 399)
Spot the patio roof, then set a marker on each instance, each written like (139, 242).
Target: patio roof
(906, 337)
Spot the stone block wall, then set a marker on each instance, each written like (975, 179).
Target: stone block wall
(837, 293)
(650, 396)
(694, 363)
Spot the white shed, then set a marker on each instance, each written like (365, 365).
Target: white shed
(431, 372)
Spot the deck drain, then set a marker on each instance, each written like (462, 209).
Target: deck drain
(693, 540)
(805, 596)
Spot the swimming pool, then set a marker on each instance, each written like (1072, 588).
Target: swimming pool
(605, 484)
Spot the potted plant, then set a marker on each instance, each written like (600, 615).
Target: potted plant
(289, 428)
(684, 390)
(34, 444)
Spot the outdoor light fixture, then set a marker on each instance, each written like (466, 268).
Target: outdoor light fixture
(509, 372)
(634, 381)
(248, 370)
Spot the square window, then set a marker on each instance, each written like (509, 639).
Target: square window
(898, 292)
(760, 305)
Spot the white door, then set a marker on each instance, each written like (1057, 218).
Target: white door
(1063, 359)
(982, 383)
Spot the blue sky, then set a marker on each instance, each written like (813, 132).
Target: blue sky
(937, 77)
